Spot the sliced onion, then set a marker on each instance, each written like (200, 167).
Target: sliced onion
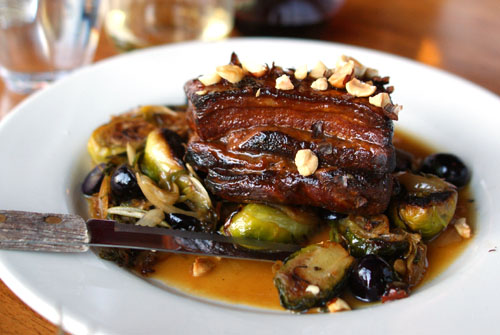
(103, 198)
(157, 196)
(131, 212)
(192, 171)
(131, 154)
(152, 218)
(201, 190)
(160, 198)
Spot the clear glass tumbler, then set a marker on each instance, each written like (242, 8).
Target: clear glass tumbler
(42, 40)
(133, 24)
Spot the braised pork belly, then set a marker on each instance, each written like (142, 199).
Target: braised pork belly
(249, 127)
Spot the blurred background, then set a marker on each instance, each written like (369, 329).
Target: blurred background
(459, 36)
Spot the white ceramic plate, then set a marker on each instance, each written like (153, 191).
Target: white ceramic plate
(43, 150)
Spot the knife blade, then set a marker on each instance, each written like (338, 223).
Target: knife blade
(50, 232)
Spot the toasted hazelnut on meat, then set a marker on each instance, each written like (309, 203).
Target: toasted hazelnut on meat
(338, 305)
(209, 79)
(359, 69)
(380, 100)
(319, 84)
(393, 109)
(359, 89)
(462, 228)
(318, 71)
(257, 70)
(370, 73)
(306, 162)
(231, 73)
(284, 83)
(202, 92)
(301, 72)
(202, 266)
(312, 289)
(343, 72)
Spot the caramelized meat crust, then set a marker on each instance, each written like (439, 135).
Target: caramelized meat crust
(330, 188)
(245, 136)
(343, 116)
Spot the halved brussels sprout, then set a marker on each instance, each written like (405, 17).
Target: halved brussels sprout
(426, 206)
(271, 223)
(111, 139)
(312, 276)
(371, 235)
(159, 160)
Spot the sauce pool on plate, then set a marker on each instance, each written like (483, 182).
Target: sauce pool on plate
(251, 282)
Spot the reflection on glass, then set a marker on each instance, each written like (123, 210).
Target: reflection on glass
(135, 24)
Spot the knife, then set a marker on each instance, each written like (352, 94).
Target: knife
(71, 233)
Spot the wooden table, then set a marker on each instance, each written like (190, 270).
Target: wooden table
(459, 36)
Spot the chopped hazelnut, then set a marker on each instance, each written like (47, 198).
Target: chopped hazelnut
(380, 100)
(318, 71)
(209, 79)
(257, 70)
(301, 72)
(463, 229)
(393, 109)
(202, 266)
(370, 73)
(359, 89)
(257, 94)
(319, 84)
(359, 69)
(202, 92)
(231, 73)
(341, 75)
(312, 289)
(338, 305)
(276, 266)
(284, 83)
(306, 162)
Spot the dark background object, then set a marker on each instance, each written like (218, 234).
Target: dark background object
(283, 17)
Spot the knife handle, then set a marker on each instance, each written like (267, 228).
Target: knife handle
(43, 232)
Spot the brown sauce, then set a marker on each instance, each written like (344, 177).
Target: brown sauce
(251, 282)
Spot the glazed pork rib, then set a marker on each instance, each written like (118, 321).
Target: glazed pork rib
(247, 133)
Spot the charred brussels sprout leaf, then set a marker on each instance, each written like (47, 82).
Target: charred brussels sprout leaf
(426, 205)
(279, 224)
(111, 138)
(371, 235)
(416, 260)
(312, 276)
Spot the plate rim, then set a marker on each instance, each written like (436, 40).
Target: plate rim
(14, 283)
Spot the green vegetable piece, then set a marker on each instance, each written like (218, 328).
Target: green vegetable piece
(371, 235)
(159, 161)
(312, 276)
(111, 138)
(426, 207)
(268, 223)
(132, 128)
(161, 164)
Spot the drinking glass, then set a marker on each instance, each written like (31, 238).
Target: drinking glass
(42, 40)
(133, 24)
